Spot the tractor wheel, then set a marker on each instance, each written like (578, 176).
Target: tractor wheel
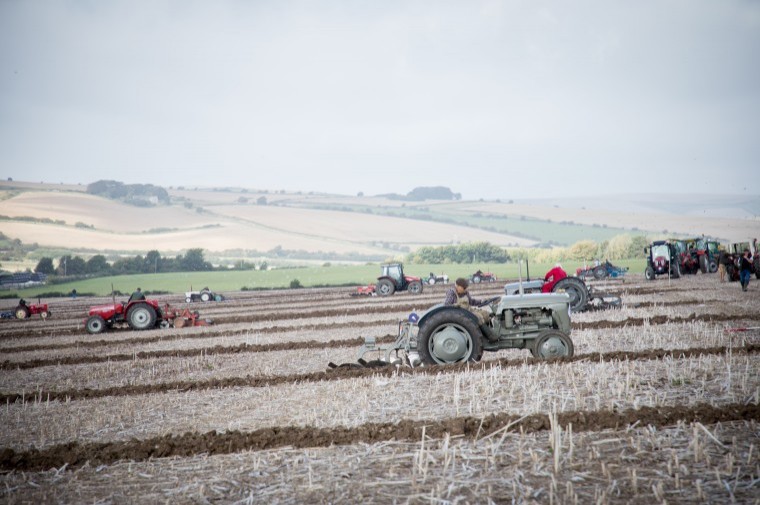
(415, 287)
(649, 274)
(165, 323)
(205, 296)
(675, 270)
(600, 273)
(450, 336)
(552, 344)
(141, 317)
(576, 289)
(45, 314)
(476, 279)
(713, 266)
(95, 324)
(385, 287)
(22, 312)
(703, 266)
(431, 281)
(188, 299)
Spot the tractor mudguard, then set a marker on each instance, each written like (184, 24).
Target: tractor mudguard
(440, 308)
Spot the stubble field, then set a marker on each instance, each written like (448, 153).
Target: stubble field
(660, 403)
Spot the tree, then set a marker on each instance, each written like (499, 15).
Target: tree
(153, 261)
(193, 261)
(45, 266)
(69, 265)
(97, 264)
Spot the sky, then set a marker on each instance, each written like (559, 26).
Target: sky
(493, 99)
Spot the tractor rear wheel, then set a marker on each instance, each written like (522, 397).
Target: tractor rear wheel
(141, 317)
(205, 296)
(385, 287)
(600, 273)
(415, 287)
(449, 336)
(649, 273)
(22, 312)
(431, 281)
(552, 344)
(95, 324)
(476, 279)
(576, 289)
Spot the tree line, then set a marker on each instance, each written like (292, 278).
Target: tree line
(98, 265)
(619, 247)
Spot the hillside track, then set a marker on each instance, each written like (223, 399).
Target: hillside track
(668, 381)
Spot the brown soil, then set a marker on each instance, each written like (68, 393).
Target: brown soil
(348, 372)
(75, 455)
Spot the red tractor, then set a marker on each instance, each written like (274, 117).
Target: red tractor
(24, 311)
(140, 315)
(392, 279)
(481, 276)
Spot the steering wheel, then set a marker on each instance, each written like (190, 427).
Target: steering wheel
(489, 301)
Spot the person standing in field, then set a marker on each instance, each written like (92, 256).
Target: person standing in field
(460, 297)
(723, 261)
(745, 269)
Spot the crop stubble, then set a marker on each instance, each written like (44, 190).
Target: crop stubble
(699, 411)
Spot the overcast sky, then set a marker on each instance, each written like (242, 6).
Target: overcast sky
(494, 99)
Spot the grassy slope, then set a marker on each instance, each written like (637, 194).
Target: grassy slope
(336, 275)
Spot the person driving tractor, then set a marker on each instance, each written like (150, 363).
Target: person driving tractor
(459, 296)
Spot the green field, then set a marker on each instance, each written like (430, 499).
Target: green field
(337, 275)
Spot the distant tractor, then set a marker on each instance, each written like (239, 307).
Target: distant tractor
(392, 279)
(481, 276)
(437, 279)
(204, 295)
(601, 271)
(687, 262)
(662, 259)
(25, 311)
(705, 253)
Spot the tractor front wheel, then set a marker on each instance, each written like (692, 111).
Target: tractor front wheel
(713, 266)
(385, 287)
(415, 287)
(450, 336)
(552, 344)
(675, 270)
(703, 266)
(649, 274)
(45, 314)
(141, 317)
(95, 324)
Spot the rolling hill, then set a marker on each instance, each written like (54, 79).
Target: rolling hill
(236, 222)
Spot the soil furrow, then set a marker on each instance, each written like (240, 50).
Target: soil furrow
(348, 373)
(74, 454)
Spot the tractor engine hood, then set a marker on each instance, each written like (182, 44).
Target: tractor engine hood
(531, 300)
(106, 309)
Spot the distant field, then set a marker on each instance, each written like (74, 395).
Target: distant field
(336, 275)
(231, 224)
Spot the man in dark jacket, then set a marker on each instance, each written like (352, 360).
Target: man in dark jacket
(745, 269)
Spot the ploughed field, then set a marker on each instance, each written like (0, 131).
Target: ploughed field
(660, 403)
